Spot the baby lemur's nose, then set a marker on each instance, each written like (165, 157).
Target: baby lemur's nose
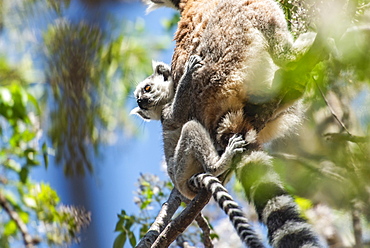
(143, 103)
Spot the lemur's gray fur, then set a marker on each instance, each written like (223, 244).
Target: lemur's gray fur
(242, 44)
(188, 148)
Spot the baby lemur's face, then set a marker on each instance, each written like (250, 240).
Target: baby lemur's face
(154, 92)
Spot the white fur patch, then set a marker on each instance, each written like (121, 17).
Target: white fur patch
(258, 157)
(251, 136)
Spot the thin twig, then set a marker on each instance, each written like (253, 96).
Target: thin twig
(203, 224)
(346, 137)
(28, 240)
(356, 223)
(164, 217)
(332, 110)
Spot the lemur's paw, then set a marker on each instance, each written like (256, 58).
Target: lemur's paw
(236, 144)
(194, 63)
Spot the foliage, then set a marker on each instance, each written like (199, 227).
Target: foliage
(28, 207)
(151, 191)
(90, 82)
(331, 163)
(151, 194)
(90, 75)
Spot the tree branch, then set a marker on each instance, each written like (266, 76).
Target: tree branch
(332, 111)
(28, 240)
(203, 224)
(356, 224)
(181, 222)
(346, 137)
(164, 217)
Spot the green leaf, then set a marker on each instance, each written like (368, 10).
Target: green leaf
(132, 239)
(25, 217)
(23, 174)
(10, 228)
(119, 225)
(120, 241)
(45, 154)
(130, 220)
(143, 230)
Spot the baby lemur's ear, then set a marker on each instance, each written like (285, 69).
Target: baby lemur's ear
(139, 112)
(162, 69)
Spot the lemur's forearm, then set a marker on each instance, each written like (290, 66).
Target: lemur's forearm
(182, 100)
(184, 92)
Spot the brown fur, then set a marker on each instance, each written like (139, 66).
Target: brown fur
(241, 42)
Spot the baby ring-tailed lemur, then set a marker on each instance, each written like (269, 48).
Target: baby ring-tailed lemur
(243, 43)
(188, 148)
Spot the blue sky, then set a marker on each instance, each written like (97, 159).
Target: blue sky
(110, 189)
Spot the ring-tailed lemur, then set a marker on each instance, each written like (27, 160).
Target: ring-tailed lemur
(243, 43)
(188, 148)
(276, 209)
(229, 206)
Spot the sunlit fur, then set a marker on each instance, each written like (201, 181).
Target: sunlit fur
(242, 44)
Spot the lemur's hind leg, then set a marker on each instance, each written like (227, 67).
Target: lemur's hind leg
(196, 153)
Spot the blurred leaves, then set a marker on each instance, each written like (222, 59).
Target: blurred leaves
(331, 163)
(91, 80)
(72, 54)
(22, 200)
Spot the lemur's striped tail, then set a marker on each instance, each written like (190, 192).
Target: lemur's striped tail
(275, 207)
(230, 207)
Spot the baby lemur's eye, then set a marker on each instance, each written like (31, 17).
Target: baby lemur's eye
(147, 88)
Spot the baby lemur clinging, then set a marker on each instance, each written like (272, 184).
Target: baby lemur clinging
(188, 148)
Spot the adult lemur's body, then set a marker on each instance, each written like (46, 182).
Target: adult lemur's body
(188, 148)
(241, 43)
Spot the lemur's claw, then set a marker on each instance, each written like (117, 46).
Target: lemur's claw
(194, 63)
(237, 144)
